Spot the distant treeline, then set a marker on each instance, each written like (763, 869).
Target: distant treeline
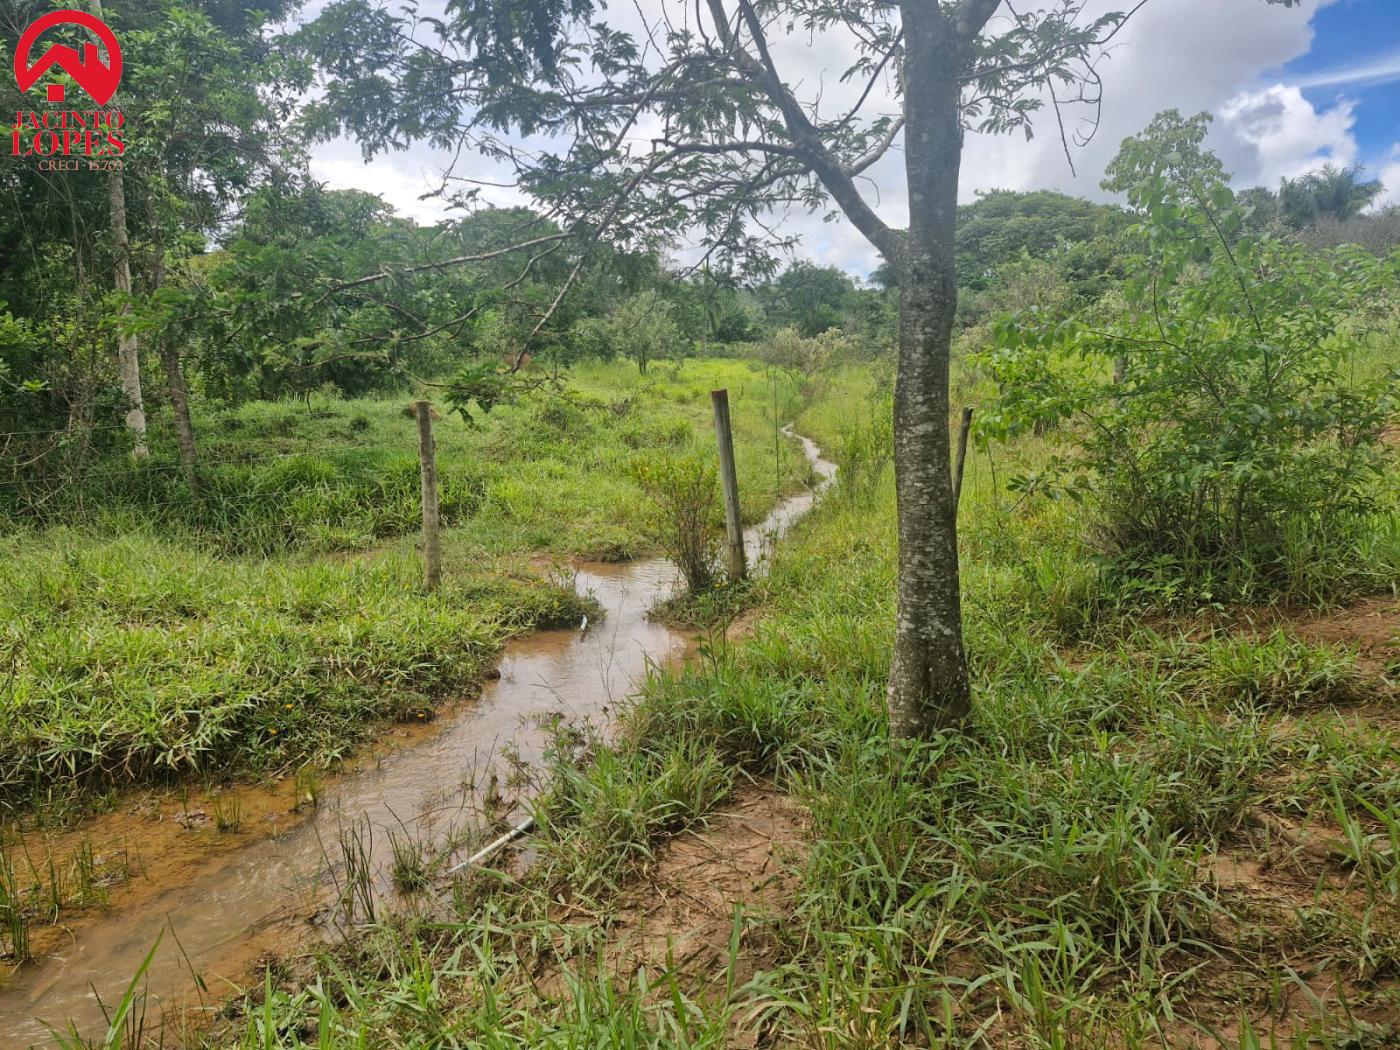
(213, 267)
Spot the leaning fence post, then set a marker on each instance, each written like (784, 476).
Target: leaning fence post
(733, 523)
(963, 432)
(427, 461)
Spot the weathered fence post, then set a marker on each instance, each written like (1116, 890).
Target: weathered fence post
(427, 461)
(962, 456)
(733, 523)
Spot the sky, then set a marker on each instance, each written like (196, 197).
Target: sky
(1290, 89)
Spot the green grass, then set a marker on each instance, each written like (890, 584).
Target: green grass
(550, 474)
(1042, 880)
(274, 617)
(137, 660)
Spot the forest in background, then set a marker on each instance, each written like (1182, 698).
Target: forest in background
(250, 280)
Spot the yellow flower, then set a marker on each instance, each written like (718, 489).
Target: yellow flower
(288, 706)
(272, 732)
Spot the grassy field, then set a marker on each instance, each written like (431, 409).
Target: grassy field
(1158, 829)
(275, 617)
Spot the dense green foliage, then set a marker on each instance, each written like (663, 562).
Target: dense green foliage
(1002, 226)
(1338, 194)
(809, 298)
(1229, 444)
(207, 90)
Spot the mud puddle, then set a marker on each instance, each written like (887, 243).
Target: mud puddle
(213, 902)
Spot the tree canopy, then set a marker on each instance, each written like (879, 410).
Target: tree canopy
(1002, 224)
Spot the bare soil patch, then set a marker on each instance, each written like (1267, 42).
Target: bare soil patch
(732, 879)
(682, 914)
(1294, 976)
(1370, 628)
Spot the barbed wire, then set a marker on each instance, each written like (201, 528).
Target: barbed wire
(137, 469)
(63, 430)
(44, 490)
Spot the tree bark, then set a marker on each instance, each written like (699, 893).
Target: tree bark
(175, 380)
(180, 402)
(128, 350)
(928, 687)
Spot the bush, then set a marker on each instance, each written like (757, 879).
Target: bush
(1220, 429)
(808, 358)
(1378, 232)
(866, 448)
(685, 514)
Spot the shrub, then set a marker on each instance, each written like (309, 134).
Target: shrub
(866, 448)
(1220, 430)
(806, 357)
(685, 514)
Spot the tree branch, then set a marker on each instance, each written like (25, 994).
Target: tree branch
(973, 17)
(806, 138)
(444, 264)
(681, 148)
(877, 151)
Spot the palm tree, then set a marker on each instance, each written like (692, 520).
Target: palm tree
(1328, 193)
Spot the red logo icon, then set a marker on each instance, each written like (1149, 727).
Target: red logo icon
(98, 80)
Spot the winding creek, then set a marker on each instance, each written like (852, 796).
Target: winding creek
(216, 913)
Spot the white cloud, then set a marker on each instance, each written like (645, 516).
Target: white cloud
(1382, 70)
(1288, 135)
(1390, 179)
(402, 185)
(1191, 55)
(411, 180)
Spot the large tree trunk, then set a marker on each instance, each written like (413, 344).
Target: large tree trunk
(928, 688)
(175, 382)
(128, 352)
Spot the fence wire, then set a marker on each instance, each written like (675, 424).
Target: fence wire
(115, 484)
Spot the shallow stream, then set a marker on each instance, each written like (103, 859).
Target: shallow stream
(217, 913)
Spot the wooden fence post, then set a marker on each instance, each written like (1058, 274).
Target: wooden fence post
(963, 432)
(733, 523)
(427, 461)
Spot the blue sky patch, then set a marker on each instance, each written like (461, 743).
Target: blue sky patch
(1355, 57)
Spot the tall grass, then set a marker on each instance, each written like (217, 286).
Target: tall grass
(549, 474)
(136, 659)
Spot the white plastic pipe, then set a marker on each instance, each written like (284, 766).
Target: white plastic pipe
(523, 828)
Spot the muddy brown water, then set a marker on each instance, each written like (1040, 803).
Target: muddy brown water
(275, 888)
